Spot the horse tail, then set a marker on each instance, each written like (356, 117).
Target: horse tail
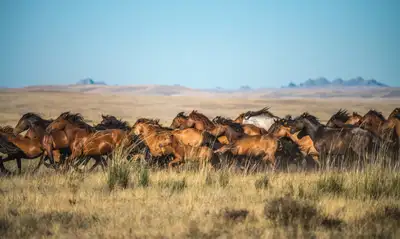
(7, 147)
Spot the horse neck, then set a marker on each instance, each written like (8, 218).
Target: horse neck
(311, 129)
(389, 125)
(352, 120)
(217, 130)
(37, 131)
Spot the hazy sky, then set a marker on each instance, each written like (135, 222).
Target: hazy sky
(198, 43)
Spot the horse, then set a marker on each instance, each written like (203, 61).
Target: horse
(248, 129)
(262, 118)
(161, 142)
(35, 127)
(333, 141)
(201, 122)
(17, 147)
(354, 118)
(385, 129)
(339, 119)
(111, 122)
(306, 146)
(183, 144)
(188, 136)
(84, 140)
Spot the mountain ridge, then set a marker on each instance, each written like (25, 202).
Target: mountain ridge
(322, 82)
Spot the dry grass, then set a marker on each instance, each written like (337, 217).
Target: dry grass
(155, 203)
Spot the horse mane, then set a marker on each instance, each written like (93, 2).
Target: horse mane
(226, 121)
(110, 120)
(194, 115)
(313, 119)
(395, 112)
(341, 115)
(148, 121)
(356, 114)
(376, 114)
(182, 114)
(34, 118)
(263, 111)
(77, 119)
(7, 129)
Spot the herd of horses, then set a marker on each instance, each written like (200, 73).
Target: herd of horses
(69, 141)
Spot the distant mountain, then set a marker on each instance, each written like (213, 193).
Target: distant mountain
(90, 81)
(322, 82)
(244, 88)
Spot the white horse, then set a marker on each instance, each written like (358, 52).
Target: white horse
(262, 118)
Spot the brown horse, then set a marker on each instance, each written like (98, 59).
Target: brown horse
(386, 130)
(353, 119)
(35, 127)
(17, 147)
(160, 142)
(201, 122)
(185, 144)
(188, 136)
(248, 129)
(338, 119)
(281, 129)
(372, 121)
(83, 139)
(264, 146)
(333, 141)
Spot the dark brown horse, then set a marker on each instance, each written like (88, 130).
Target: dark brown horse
(111, 122)
(339, 119)
(335, 142)
(306, 146)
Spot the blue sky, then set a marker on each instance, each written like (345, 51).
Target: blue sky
(200, 44)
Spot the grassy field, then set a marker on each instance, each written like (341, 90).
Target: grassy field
(133, 201)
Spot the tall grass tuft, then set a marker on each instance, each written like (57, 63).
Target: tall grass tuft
(119, 171)
(375, 183)
(143, 177)
(331, 183)
(262, 183)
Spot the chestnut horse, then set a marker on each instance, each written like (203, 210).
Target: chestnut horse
(264, 146)
(36, 126)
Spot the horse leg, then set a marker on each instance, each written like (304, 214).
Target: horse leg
(99, 160)
(19, 164)
(174, 161)
(2, 168)
(41, 160)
